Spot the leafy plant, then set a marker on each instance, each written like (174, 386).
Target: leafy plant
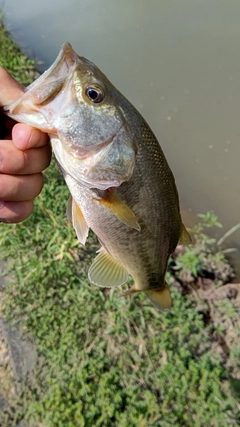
(206, 257)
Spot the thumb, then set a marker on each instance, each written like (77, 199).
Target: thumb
(10, 89)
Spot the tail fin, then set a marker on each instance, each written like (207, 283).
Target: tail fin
(161, 298)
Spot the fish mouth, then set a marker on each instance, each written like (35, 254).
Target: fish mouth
(42, 91)
(68, 57)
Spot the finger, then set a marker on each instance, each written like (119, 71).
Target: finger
(18, 162)
(10, 89)
(19, 188)
(25, 137)
(14, 212)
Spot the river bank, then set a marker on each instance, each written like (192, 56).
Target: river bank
(105, 360)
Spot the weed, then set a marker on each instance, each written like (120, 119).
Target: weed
(206, 258)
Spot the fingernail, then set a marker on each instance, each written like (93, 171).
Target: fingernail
(1, 204)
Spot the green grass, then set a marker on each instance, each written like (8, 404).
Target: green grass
(13, 60)
(104, 360)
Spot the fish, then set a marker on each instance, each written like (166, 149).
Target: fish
(121, 185)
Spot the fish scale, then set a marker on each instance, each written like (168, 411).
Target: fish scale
(120, 182)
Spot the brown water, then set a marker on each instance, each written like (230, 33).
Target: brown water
(177, 61)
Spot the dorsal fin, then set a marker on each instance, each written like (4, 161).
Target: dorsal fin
(106, 272)
(185, 238)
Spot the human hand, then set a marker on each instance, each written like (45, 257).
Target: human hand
(24, 154)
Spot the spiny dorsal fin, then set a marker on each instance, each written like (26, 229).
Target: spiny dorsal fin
(75, 215)
(106, 272)
(120, 209)
(185, 238)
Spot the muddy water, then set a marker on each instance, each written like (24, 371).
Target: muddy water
(179, 64)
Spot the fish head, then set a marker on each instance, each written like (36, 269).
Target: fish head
(85, 116)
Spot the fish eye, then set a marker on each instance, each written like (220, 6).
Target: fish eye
(95, 93)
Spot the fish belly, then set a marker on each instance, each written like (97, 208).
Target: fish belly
(144, 254)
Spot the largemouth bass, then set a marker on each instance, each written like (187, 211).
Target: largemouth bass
(120, 182)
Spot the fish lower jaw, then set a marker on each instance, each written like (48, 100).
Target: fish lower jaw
(82, 174)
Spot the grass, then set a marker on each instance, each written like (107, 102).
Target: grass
(14, 60)
(105, 360)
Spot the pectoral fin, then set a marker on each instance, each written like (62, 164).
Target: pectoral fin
(75, 215)
(185, 238)
(106, 272)
(120, 209)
